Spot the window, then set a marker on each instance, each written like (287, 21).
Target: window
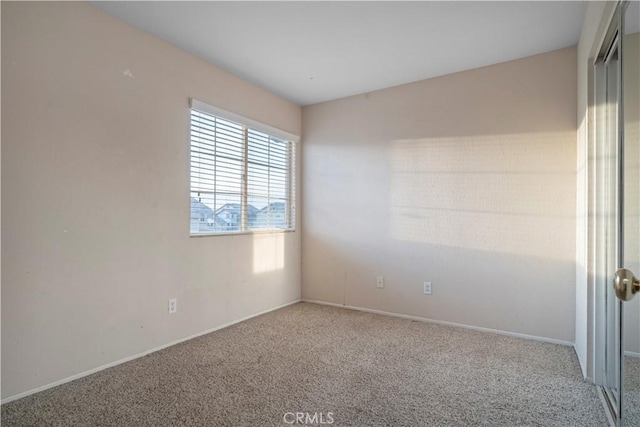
(242, 174)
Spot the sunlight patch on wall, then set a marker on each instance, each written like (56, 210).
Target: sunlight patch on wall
(268, 252)
(505, 193)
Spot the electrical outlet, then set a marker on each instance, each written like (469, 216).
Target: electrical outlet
(380, 282)
(173, 305)
(427, 288)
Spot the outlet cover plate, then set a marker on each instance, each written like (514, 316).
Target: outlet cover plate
(427, 288)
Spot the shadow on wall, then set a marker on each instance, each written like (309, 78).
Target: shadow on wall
(253, 265)
(497, 290)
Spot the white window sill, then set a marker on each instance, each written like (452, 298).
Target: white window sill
(236, 233)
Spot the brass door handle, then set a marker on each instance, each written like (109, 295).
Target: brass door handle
(625, 284)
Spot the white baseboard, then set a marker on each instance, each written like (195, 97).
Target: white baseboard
(136, 356)
(442, 322)
(631, 354)
(332, 304)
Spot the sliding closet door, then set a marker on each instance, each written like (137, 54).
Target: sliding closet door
(617, 74)
(630, 140)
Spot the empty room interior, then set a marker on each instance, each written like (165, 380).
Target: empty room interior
(320, 213)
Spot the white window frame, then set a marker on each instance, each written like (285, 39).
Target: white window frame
(260, 127)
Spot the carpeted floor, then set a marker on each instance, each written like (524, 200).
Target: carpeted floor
(632, 391)
(356, 369)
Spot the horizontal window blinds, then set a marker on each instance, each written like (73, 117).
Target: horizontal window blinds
(217, 167)
(269, 161)
(252, 124)
(241, 178)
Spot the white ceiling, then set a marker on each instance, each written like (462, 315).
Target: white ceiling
(310, 52)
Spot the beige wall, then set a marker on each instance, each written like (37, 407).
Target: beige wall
(466, 180)
(95, 184)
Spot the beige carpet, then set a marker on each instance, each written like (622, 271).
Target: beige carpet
(632, 391)
(364, 369)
